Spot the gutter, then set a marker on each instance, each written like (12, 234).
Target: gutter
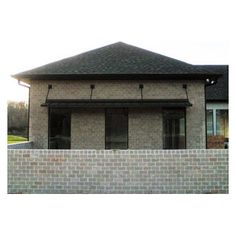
(26, 86)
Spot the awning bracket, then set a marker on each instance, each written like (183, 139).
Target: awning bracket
(49, 87)
(186, 91)
(141, 90)
(92, 87)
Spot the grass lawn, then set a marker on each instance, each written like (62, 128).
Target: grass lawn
(15, 139)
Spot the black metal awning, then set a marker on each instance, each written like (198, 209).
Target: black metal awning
(115, 103)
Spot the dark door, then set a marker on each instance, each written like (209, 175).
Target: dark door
(174, 129)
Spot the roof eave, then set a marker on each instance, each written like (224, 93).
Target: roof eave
(117, 76)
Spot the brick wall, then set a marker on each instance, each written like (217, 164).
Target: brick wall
(121, 171)
(120, 89)
(145, 129)
(88, 129)
(216, 142)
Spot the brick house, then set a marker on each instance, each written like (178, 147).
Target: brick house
(119, 97)
(217, 110)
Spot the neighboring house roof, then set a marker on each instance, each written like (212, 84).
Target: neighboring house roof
(116, 59)
(218, 91)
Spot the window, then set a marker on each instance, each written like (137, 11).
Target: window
(217, 122)
(59, 129)
(210, 122)
(116, 130)
(222, 123)
(217, 132)
(174, 128)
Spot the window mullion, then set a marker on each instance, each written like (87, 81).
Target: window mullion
(214, 121)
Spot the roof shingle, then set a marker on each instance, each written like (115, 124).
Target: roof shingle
(118, 58)
(218, 91)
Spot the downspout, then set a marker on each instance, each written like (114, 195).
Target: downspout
(185, 87)
(27, 86)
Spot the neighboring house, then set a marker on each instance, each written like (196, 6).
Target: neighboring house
(217, 109)
(121, 97)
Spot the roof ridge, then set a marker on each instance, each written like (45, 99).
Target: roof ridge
(116, 58)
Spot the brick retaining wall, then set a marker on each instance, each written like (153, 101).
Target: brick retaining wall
(121, 171)
(216, 142)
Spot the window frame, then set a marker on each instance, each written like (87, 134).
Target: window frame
(49, 126)
(217, 120)
(163, 126)
(214, 107)
(212, 120)
(126, 110)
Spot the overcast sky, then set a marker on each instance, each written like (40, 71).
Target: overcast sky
(39, 32)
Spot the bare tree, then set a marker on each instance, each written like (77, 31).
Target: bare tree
(17, 118)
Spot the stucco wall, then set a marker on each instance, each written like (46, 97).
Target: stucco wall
(126, 171)
(170, 89)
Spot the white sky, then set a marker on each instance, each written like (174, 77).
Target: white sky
(39, 32)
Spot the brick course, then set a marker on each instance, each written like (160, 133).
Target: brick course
(117, 171)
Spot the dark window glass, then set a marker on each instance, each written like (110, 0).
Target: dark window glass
(59, 129)
(209, 122)
(174, 128)
(116, 129)
(222, 123)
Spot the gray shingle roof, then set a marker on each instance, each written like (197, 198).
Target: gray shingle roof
(116, 59)
(218, 91)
